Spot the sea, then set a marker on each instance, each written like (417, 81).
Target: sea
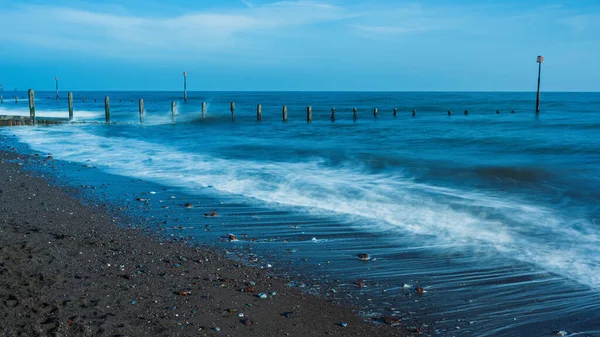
(493, 210)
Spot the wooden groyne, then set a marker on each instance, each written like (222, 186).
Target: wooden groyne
(33, 119)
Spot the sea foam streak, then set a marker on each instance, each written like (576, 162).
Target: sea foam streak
(380, 202)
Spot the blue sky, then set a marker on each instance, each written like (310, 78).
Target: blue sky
(462, 45)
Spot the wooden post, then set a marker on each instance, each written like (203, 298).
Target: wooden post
(107, 109)
(232, 108)
(449, 113)
(512, 111)
(354, 113)
(16, 99)
(332, 114)
(414, 112)
(259, 112)
(309, 114)
(540, 60)
(83, 100)
(141, 111)
(497, 112)
(375, 112)
(70, 100)
(1, 99)
(56, 79)
(32, 105)
(285, 113)
(466, 112)
(173, 110)
(395, 111)
(203, 110)
(185, 86)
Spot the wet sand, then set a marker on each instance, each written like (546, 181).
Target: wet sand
(68, 269)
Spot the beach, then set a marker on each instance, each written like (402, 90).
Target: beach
(69, 269)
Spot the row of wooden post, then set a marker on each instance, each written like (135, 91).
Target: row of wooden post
(174, 110)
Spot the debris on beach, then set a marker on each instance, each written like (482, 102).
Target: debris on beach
(188, 205)
(211, 214)
(185, 292)
(288, 314)
(363, 257)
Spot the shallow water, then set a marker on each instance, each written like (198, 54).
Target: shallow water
(495, 215)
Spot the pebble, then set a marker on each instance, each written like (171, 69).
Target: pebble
(343, 324)
(262, 295)
(420, 290)
(217, 329)
(560, 333)
(288, 314)
(188, 205)
(363, 257)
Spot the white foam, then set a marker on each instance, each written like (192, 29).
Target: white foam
(376, 202)
(77, 114)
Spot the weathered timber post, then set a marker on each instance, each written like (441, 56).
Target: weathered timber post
(285, 113)
(309, 114)
(395, 111)
(512, 111)
(173, 110)
(375, 112)
(232, 108)
(1, 99)
(354, 113)
(16, 99)
(106, 109)
(203, 110)
(540, 60)
(70, 101)
(497, 112)
(466, 112)
(32, 105)
(141, 111)
(449, 113)
(414, 112)
(56, 79)
(185, 86)
(83, 100)
(259, 112)
(94, 100)
(332, 114)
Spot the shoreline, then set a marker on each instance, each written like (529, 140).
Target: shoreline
(68, 269)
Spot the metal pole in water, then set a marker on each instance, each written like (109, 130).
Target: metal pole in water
(540, 60)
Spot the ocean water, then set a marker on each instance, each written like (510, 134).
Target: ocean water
(495, 215)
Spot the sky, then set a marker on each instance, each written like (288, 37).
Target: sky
(312, 45)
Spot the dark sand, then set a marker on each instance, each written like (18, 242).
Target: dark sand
(67, 269)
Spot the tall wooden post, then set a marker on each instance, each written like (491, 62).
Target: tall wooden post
(540, 60)
(414, 112)
(309, 114)
(203, 110)
(395, 111)
(354, 113)
(56, 79)
(1, 99)
(70, 100)
(16, 99)
(375, 112)
(141, 111)
(107, 109)
(232, 108)
(466, 112)
(449, 113)
(185, 86)
(332, 114)
(32, 105)
(259, 112)
(173, 110)
(285, 113)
